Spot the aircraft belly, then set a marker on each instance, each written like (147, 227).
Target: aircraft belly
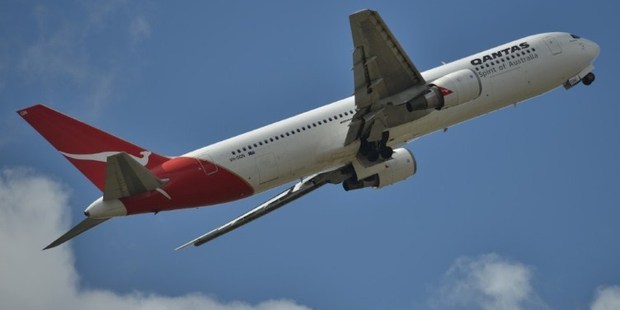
(267, 167)
(320, 152)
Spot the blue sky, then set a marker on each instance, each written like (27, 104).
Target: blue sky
(519, 209)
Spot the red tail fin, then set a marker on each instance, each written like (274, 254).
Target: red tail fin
(86, 147)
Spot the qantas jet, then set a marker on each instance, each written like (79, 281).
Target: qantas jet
(357, 141)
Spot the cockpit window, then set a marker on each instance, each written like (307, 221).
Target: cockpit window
(575, 36)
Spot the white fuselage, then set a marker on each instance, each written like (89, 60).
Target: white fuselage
(337, 143)
(313, 141)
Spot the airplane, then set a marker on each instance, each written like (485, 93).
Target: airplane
(357, 141)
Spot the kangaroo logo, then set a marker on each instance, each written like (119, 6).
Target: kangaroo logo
(103, 156)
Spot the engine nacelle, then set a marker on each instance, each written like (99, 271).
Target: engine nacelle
(401, 166)
(459, 87)
(448, 91)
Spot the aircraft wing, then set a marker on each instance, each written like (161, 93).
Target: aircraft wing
(381, 69)
(298, 190)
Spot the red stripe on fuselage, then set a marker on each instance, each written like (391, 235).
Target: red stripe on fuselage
(189, 185)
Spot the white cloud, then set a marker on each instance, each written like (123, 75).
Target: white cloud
(33, 210)
(139, 29)
(67, 48)
(607, 298)
(56, 54)
(488, 282)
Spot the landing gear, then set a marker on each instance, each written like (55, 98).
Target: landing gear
(588, 79)
(372, 156)
(375, 150)
(386, 152)
(370, 150)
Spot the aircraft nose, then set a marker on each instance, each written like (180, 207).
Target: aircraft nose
(592, 49)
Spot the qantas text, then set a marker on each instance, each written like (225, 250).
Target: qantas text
(500, 53)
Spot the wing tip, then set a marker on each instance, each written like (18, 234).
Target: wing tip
(196, 242)
(56, 243)
(49, 247)
(23, 112)
(184, 246)
(362, 11)
(83, 226)
(362, 14)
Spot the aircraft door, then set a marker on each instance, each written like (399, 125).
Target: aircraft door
(553, 45)
(208, 165)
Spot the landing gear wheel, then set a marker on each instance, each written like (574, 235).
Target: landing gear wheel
(386, 152)
(372, 156)
(588, 79)
(364, 148)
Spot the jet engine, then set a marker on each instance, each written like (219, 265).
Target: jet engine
(448, 91)
(401, 166)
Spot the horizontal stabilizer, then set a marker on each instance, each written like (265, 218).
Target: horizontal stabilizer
(76, 230)
(125, 177)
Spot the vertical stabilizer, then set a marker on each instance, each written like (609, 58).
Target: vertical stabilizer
(86, 147)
